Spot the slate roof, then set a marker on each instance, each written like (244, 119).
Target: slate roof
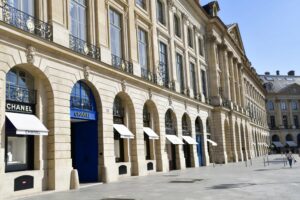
(280, 83)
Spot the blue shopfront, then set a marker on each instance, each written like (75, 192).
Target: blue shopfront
(199, 139)
(84, 133)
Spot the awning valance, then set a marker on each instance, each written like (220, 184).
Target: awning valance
(212, 142)
(174, 139)
(152, 135)
(27, 124)
(277, 144)
(291, 143)
(123, 131)
(189, 140)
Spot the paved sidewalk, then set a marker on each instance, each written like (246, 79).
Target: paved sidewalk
(232, 181)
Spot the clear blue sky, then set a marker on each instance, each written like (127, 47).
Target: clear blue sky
(270, 31)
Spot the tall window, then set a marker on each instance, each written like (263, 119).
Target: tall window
(141, 3)
(296, 121)
(177, 26)
(143, 49)
(272, 122)
(285, 121)
(203, 80)
(180, 75)
(190, 38)
(78, 19)
(193, 78)
(146, 120)
(118, 117)
(160, 12)
(270, 105)
(26, 6)
(115, 33)
(283, 105)
(201, 47)
(294, 105)
(163, 61)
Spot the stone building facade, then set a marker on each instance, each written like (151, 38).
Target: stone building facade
(283, 99)
(118, 88)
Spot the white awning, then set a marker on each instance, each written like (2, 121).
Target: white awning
(278, 144)
(291, 143)
(152, 135)
(27, 124)
(212, 142)
(123, 131)
(189, 140)
(174, 139)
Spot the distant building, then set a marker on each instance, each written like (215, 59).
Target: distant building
(283, 99)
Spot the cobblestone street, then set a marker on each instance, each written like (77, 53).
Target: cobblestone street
(232, 181)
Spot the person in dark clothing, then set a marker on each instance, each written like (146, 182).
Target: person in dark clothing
(290, 158)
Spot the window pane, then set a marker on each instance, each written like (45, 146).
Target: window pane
(16, 150)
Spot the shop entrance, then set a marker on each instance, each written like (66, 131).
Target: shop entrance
(84, 133)
(199, 149)
(84, 147)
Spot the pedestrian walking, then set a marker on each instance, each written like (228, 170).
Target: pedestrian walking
(290, 158)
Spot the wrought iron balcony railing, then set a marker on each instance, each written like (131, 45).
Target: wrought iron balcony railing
(19, 94)
(25, 22)
(82, 47)
(122, 64)
(149, 76)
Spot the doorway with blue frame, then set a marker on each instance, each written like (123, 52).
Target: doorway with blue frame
(84, 133)
(199, 139)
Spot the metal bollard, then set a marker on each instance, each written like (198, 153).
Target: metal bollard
(264, 162)
(268, 160)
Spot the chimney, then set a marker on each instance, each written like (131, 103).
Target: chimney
(267, 73)
(291, 73)
(277, 72)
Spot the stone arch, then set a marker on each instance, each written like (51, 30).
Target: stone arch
(124, 113)
(154, 124)
(172, 149)
(44, 106)
(99, 124)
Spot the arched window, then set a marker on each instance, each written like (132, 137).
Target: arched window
(160, 12)
(19, 86)
(169, 123)
(118, 111)
(82, 97)
(146, 116)
(199, 126)
(185, 125)
(289, 137)
(177, 29)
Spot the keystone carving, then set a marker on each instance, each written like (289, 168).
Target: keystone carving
(30, 54)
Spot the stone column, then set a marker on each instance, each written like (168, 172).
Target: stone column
(278, 114)
(186, 25)
(231, 77)
(242, 88)
(172, 58)
(213, 70)
(236, 75)
(225, 72)
(290, 117)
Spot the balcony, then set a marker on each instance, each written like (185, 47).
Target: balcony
(19, 94)
(84, 48)
(121, 64)
(25, 22)
(149, 76)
